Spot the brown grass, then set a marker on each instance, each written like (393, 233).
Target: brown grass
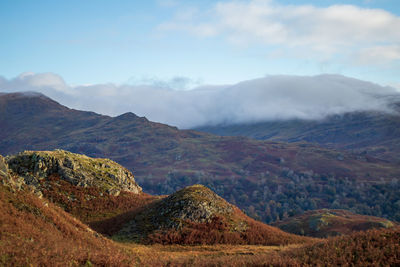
(91, 204)
(218, 232)
(370, 248)
(36, 233)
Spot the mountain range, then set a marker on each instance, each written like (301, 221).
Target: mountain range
(269, 180)
(371, 133)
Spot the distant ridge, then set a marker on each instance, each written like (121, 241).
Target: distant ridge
(370, 132)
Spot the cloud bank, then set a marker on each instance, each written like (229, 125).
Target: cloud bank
(268, 98)
(357, 34)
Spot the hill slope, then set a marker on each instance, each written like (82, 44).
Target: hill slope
(366, 133)
(36, 232)
(260, 176)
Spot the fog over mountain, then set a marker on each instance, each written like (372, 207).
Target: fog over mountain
(269, 98)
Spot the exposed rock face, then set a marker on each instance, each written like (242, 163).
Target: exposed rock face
(194, 204)
(3, 168)
(76, 169)
(12, 181)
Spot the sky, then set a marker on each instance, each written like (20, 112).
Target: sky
(190, 43)
(192, 63)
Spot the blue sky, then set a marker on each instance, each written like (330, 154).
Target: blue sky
(189, 43)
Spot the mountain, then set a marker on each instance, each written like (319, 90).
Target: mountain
(270, 180)
(325, 223)
(367, 133)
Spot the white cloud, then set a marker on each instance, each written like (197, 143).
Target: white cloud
(176, 82)
(337, 29)
(268, 98)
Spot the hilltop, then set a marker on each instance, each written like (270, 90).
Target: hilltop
(91, 189)
(326, 223)
(261, 177)
(79, 170)
(196, 215)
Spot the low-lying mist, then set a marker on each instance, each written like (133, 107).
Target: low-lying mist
(268, 98)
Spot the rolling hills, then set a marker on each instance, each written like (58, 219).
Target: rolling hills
(270, 180)
(76, 183)
(35, 231)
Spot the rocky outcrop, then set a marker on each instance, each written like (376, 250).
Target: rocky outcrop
(79, 170)
(193, 204)
(13, 182)
(3, 168)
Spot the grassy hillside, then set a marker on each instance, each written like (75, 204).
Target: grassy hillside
(35, 232)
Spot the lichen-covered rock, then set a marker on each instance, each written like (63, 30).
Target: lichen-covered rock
(76, 169)
(12, 181)
(3, 168)
(193, 204)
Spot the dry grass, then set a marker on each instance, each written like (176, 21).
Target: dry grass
(205, 255)
(36, 233)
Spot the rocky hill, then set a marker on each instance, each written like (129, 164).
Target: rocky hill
(325, 223)
(196, 215)
(35, 232)
(261, 177)
(79, 170)
(193, 215)
(91, 189)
